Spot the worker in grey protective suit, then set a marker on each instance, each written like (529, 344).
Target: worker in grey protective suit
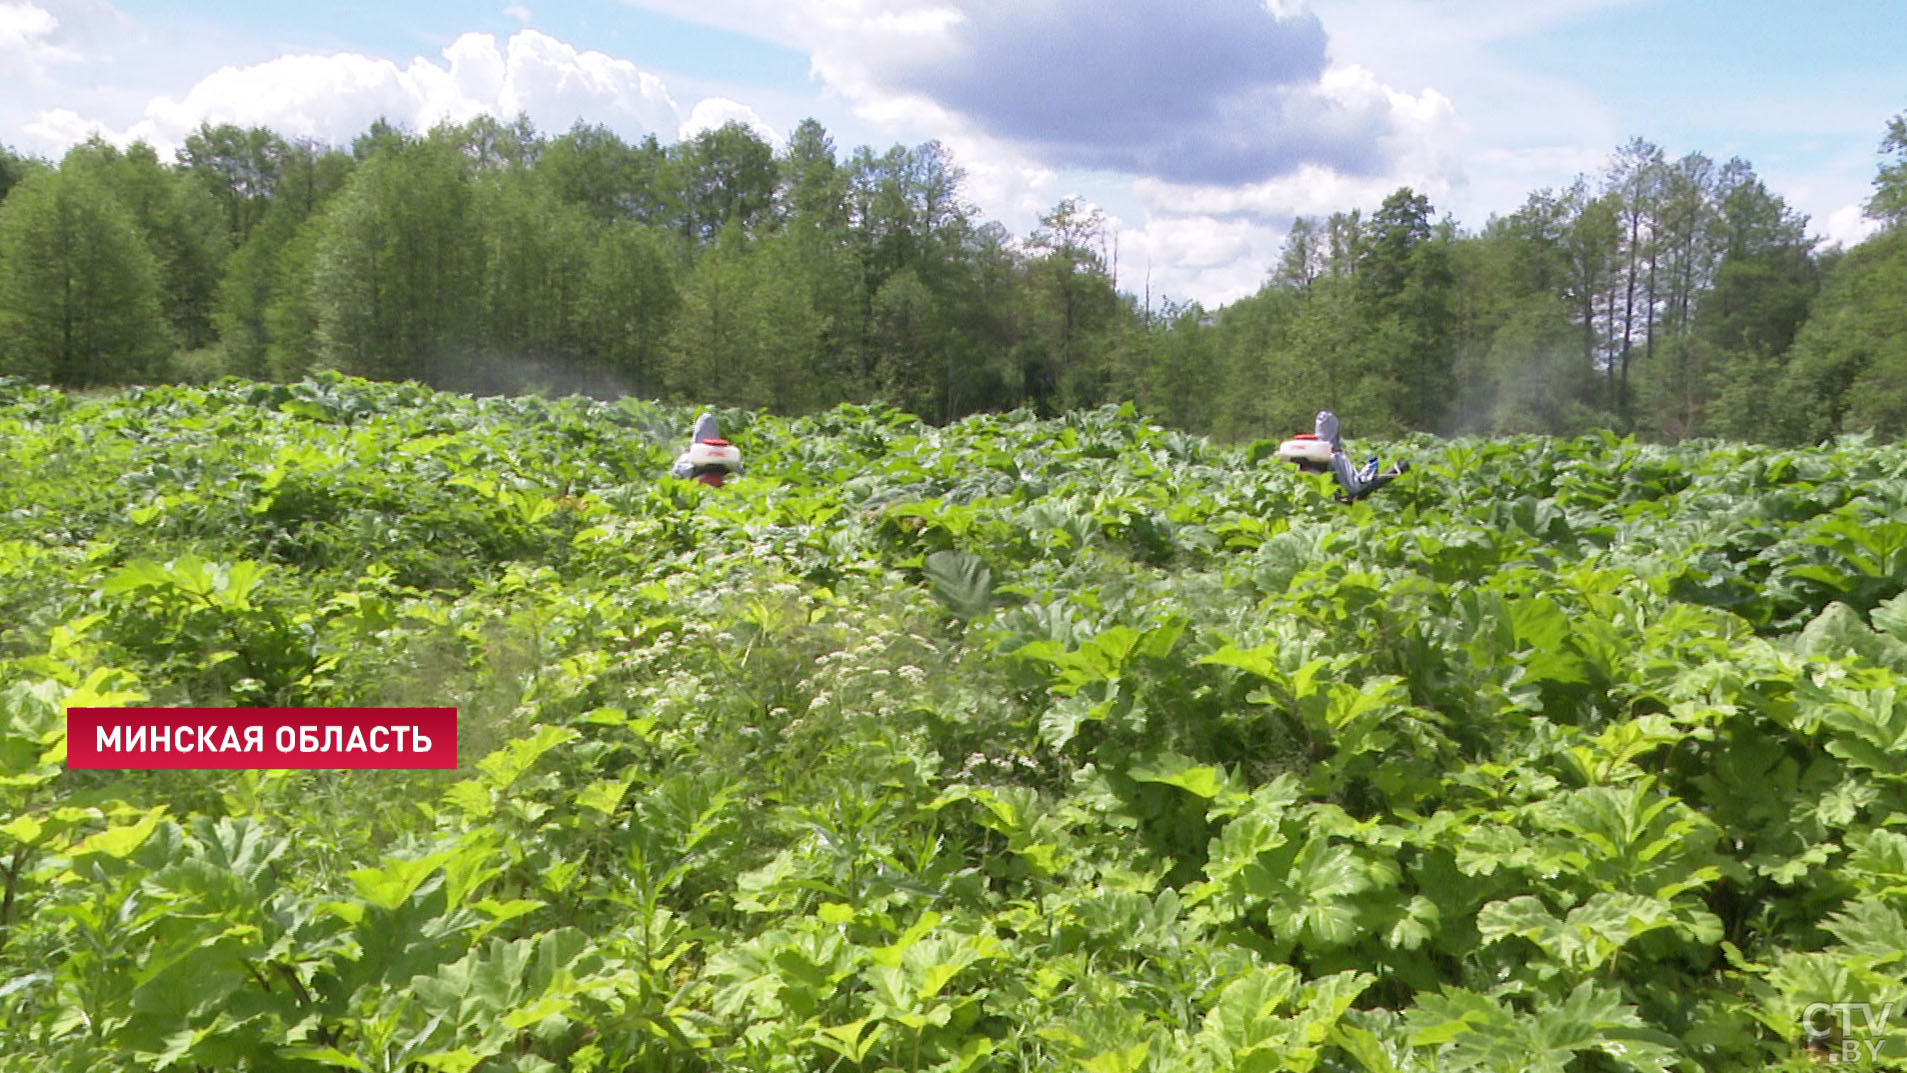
(708, 458)
(1323, 452)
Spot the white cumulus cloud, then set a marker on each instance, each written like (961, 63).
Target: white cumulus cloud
(62, 127)
(335, 97)
(26, 39)
(1846, 226)
(1213, 260)
(712, 113)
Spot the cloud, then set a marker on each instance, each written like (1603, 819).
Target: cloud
(1206, 258)
(519, 13)
(1847, 226)
(1418, 149)
(1217, 242)
(26, 39)
(62, 127)
(336, 97)
(1008, 185)
(1203, 91)
(714, 112)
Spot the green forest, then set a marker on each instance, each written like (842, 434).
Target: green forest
(1667, 297)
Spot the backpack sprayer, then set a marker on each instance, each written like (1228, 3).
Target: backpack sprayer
(713, 461)
(709, 458)
(1307, 452)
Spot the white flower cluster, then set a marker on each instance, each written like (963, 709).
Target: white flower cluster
(980, 765)
(861, 679)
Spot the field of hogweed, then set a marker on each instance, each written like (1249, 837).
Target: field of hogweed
(1011, 745)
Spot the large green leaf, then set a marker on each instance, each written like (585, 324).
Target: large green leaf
(962, 581)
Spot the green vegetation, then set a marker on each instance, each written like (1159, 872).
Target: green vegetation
(1666, 297)
(1008, 745)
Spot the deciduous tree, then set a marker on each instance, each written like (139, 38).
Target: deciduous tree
(79, 290)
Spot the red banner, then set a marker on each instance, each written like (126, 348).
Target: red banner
(235, 739)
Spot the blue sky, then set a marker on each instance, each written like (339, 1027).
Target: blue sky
(1201, 127)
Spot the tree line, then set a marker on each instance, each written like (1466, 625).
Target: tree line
(1666, 297)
